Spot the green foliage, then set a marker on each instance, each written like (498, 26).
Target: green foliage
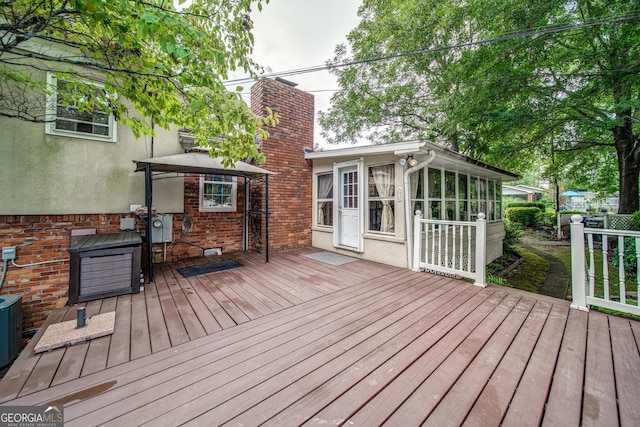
(496, 280)
(513, 233)
(629, 257)
(156, 61)
(526, 217)
(538, 205)
(547, 218)
(635, 221)
(559, 90)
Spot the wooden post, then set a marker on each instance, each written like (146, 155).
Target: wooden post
(578, 265)
(417, 240)
(481, 251)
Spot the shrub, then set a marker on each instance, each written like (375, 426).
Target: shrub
(526, 216)
(538, 205)
(635, 221)
(547, 218)
(512, 233)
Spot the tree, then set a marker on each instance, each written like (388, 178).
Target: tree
(154, 60)
(507, 81)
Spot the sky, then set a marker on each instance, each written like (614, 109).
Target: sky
(292, 34)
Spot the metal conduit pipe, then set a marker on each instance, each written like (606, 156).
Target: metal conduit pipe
(407, 205)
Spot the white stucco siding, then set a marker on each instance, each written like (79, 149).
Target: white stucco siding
(51, 174)
(391, 252)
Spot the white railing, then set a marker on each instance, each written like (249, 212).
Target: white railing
(451, 247)
(595, 278)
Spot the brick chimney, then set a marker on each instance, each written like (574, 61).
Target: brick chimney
(290, 191)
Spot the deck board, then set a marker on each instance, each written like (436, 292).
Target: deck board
(626, 362)
(565, 398)
(501, 380)
(120, 345)
(140, 333)
(528, 402)
(98, 351)
(599, 409)
(158, 332)
(296, 341)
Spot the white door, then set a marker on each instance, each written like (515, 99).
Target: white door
(349, 208)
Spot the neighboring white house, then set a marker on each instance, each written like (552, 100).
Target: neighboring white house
(524, 192)
(365, 197)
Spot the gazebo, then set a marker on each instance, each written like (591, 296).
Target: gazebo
(200, 163)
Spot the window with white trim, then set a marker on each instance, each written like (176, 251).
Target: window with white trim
(218, 193)
(382, 198)
(66, 118)
(324, 200)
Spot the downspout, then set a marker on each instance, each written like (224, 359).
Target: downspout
(407, 205)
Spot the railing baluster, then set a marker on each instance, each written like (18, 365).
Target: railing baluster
(461, 249)
(592, 264)
(605, 266)
(623, 296)
(446, 246)
(440, 246)
(469, 257)
(433, 243)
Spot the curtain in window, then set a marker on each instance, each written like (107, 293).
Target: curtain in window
(325, 186)
(383, 180)
(415, 182)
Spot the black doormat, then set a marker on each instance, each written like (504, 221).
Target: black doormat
(211, 267)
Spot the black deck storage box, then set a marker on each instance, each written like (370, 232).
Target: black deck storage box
(104, 265)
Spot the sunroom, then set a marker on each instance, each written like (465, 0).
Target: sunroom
(365, 199)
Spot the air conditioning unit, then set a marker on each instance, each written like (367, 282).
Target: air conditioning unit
(162, 228)
(10, 328)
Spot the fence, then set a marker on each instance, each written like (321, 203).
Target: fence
(451, 247)
(605, 266)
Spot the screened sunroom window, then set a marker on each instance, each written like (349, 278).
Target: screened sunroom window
(455, 196)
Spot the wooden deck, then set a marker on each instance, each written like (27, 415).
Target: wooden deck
(296, 341)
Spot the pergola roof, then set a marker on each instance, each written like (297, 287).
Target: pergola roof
(199, 163)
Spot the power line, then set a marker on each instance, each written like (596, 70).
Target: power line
(516, 35)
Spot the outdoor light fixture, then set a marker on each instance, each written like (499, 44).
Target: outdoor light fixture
(410, 160)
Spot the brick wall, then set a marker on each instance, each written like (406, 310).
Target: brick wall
(41, 238)
(290, 192)
(208, 229)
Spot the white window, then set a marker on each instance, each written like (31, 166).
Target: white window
(324, 200)
(218, 193)
(382, 198)
(65, 118)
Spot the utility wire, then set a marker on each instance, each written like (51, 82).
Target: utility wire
(516, 35)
